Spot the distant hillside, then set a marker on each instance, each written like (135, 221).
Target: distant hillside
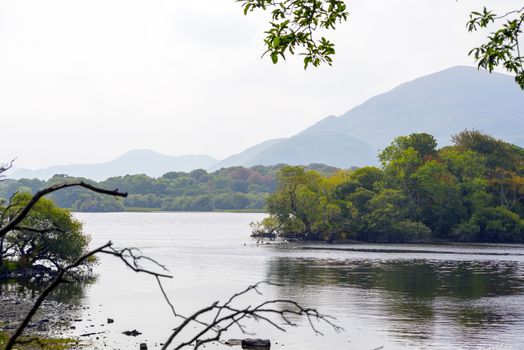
(316, 146)
(246, 157)
(441, 104)
(134, 162)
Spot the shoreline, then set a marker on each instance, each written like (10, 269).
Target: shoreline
(47, 326)
(159, 210)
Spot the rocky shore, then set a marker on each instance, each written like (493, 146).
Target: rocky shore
(50, 321)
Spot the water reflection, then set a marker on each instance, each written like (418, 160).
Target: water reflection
(55, 316)
(421, 279)
(69, 293)
(412, 299)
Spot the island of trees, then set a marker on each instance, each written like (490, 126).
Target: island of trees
(472, 190)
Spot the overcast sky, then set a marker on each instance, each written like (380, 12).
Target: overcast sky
(85, 81)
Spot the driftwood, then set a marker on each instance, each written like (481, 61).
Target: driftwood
(262, 344)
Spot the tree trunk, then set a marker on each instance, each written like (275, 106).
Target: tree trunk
(2, 251)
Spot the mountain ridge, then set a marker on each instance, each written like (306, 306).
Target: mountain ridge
(136, 161)
(441, 103)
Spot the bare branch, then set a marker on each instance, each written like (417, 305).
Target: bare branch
(226, 316)
(130, 260)
(57, 280)
(510, 13)
(38, 230)
(5, 167)
(25, 210)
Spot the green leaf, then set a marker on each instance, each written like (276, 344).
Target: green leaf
(246, 8)
(274, 57)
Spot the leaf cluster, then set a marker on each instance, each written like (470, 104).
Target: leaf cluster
(294, 24)
(502, 48)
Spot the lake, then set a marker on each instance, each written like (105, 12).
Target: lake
(390, 296)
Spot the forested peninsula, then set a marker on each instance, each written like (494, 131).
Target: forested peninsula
(470, 191)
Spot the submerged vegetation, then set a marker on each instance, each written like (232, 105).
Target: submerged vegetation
(470, 191)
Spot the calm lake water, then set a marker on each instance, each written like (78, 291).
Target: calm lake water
(390, 296)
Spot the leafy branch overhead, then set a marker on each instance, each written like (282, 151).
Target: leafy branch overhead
(503, 47)
(294, 24)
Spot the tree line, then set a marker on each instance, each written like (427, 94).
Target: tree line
(472, 190)
(233, 188)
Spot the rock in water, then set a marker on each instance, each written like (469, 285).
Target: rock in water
(256, 344)
(133, 333)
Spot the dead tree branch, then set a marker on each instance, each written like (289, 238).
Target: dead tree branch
(226, 316)
(130, 259)
(223, 316)
(5, 167)
(25, 210)
(57, 280)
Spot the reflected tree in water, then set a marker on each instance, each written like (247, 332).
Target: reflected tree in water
(413, 293)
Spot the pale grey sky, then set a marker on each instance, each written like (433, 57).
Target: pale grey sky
(84, 81)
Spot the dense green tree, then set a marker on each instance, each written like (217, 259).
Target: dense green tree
(48, 235)
(297, 199)
(438, 198)
(424, 145)
(91, 202)
(497, 153)
(368, 177)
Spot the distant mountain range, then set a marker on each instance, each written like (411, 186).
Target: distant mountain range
(442, 104)
(134, 162)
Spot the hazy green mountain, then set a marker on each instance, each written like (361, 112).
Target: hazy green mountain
(338, 150)
(134, 162)
(441, 104)
(246, 157)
